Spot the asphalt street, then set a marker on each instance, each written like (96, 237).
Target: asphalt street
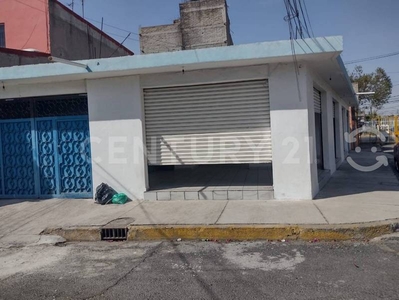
(202, 270)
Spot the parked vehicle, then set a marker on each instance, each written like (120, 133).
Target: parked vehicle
(396, 156)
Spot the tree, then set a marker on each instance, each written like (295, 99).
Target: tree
(378, 82)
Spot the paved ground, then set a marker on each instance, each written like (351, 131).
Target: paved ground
(202, 270)
(350, 196)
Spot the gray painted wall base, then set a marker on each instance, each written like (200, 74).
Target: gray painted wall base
(266, 194)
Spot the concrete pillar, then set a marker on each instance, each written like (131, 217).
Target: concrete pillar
(293, 159)
(339, 140)
(116, 128)
(340, 133)
(346, 129)
(328, 131)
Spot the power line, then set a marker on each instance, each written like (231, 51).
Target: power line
(157, 40)
(122, 36)
(121, 44)
(31, 34)
(115, 27)
(371, 58)
(26, 4)
(307, 16)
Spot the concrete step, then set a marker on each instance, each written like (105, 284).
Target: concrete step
(266, 194)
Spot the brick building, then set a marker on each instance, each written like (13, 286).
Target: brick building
(202, 24)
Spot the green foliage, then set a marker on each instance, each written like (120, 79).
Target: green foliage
(378, 82)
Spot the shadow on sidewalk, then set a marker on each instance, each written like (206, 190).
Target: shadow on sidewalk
(350, 180)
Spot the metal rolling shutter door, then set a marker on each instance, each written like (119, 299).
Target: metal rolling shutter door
(191, 125)
(317, 101)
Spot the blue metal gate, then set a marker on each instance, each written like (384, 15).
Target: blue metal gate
(45, 157)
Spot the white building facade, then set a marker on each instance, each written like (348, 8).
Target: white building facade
(241, 105)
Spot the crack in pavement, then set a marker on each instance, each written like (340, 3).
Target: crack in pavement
(324, 217)
(149, 255)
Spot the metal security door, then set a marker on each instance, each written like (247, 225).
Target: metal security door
(45, 148)
(74, 157)
(64, 157)
(17, 176)
(218, 123)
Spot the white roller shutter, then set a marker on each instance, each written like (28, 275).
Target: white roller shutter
(317, 101)
(208, 124)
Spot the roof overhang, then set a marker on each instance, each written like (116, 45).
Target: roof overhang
(333, 72)
(313, 51)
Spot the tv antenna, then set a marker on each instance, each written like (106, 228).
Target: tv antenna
(83, 9)
(72, 4)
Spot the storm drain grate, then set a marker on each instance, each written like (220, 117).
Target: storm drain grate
(114, 234)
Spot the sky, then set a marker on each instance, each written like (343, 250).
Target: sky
(369, 27)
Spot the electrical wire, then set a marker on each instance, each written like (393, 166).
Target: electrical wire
(119, 35)
(26, 4)
(304, 18)
(121, 44)
(159, 42)
(288, 18)
(307, 16)
(114, 27)
(371, 58)
(31, 34)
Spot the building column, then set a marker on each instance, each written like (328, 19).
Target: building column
(293, 157)
(340, 133)
(328, 131)
(339, 140)
(345, 129)
(116, 127)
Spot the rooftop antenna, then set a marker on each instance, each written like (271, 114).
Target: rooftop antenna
(83, 9)
(72, 4)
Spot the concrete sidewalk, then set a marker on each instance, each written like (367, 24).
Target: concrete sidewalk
(349, 197)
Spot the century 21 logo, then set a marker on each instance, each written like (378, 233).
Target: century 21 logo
(382, 160)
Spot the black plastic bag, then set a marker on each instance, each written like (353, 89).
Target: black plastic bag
(104, 194)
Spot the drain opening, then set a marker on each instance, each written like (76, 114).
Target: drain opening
(114, 234)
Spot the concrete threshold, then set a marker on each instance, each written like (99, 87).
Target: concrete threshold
(322, 232)
(264, 193)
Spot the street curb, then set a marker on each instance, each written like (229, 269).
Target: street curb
(76, 234)
(364, 231)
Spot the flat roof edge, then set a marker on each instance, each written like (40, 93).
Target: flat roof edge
(245, 52)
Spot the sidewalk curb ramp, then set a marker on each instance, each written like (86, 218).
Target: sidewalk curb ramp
(324, 232)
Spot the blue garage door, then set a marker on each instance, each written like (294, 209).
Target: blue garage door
(45, 148)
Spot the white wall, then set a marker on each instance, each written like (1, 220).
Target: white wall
(328, 96)
(291, 140)
(42, 89)
(342, 144)
(116, 129)
(339, 134)
(205, 76)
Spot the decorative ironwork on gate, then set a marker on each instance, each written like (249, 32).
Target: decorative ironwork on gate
(15, 109)
(45, 148)
(75, 160)
(17, 158)
(71, 106)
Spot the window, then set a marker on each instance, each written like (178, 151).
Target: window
(2, 36)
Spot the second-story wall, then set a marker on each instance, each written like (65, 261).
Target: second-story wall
(74, 38)
(26, 24)
(11, 57)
